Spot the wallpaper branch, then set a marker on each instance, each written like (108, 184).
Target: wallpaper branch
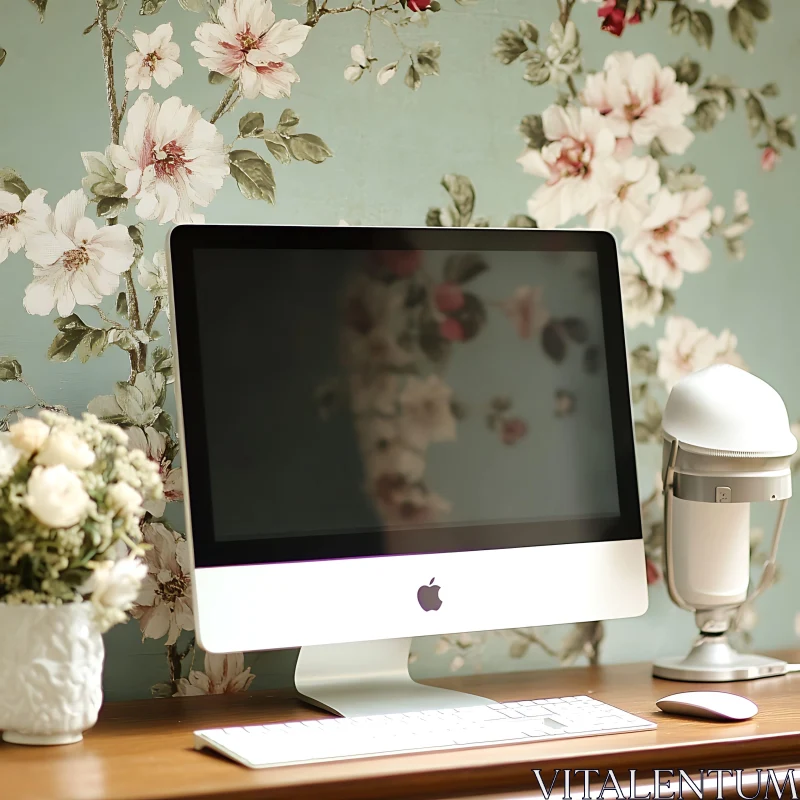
(606, 144)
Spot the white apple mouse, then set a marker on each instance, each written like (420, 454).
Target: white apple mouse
(720, 706)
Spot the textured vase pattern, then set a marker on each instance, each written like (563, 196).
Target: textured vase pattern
(51, 667)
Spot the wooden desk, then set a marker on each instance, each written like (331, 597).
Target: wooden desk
(143, 750)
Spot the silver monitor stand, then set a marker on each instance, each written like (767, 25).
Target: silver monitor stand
(367, 678)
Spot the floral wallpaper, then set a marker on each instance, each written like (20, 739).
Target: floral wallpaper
(659, 120)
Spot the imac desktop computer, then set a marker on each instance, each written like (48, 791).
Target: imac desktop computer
(399, 432)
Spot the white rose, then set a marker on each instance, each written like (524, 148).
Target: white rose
(29, 435)
(9, 456)
(115, 584)
(56, 497)
(63, 447)
(123, 497)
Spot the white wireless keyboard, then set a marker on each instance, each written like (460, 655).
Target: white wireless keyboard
(340, 738)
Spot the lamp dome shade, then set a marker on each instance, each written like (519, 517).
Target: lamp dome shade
(726, 409)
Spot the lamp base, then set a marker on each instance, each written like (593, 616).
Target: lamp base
(713, 660)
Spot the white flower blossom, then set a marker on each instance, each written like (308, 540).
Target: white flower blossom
(64, 447)
(426, 413)
(669, 241)
(9, 457)
(641, 100)
(154, 444)
(172, 159)
(56, 497)
(686, 348)
(18, 218)
(164, 604)
(112, 588)
(250, 45)
(123, 497)
(155, 59)
(75, 262)
(28, 435)
(386, 73)
(577, 163)
(641, 301)
(224, 674)
(627, 204)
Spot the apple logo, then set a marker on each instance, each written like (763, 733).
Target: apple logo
(428, 597)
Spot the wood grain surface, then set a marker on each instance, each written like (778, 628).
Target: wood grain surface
(143, 750)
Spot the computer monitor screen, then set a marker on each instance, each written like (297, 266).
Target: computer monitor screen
(391, 393)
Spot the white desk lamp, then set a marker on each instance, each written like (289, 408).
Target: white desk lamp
(727, 443)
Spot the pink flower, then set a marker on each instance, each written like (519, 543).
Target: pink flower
(224, 674)
(452, 330)
(769, 158)
(526, 311)
(154, 445)
(164, 604)
(248, 44)
(653, 572)
(448, 297)
(171, 158)
(613, 17)
(419, 5)
(402, 263)
(513, 430)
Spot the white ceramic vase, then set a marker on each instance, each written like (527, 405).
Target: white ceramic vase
(51, 670)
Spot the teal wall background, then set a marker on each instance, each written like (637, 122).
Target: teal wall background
(391, 146)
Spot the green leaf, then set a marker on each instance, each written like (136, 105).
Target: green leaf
(702, 28)
(463, 268)
(680, 16)
(215, 78)
(3, 54)
(109, 5)
(110, 207)
(287, 121)
(707, 114)
(122, 305)
(432, 343)
(413, 78)
(162, 361)
(785, 137)
(253, 175)
(743, 28)
(92, 344)
(109, 188)
(41, 7)
(435, 6)
(509, 46)
(63, 347)
(687, 71)
(529, 31)
(769, 90)
(427, 65)
(10, 369)
(643, 360)
(553, 342)
(199, 6)
(11, 182)
(308, 147)
(137, 236)
(638, 391)
(760, 9)
(251, 124)
(521, 221)
(433, 219)
(576, 329)
(277, 145)
(668, 301)
(472, 316)
(71, 323)
(430, 50)
(460, 188)
(532, 129)
(141, 402)
(537, 69)
(151, 6)
(755, 113)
